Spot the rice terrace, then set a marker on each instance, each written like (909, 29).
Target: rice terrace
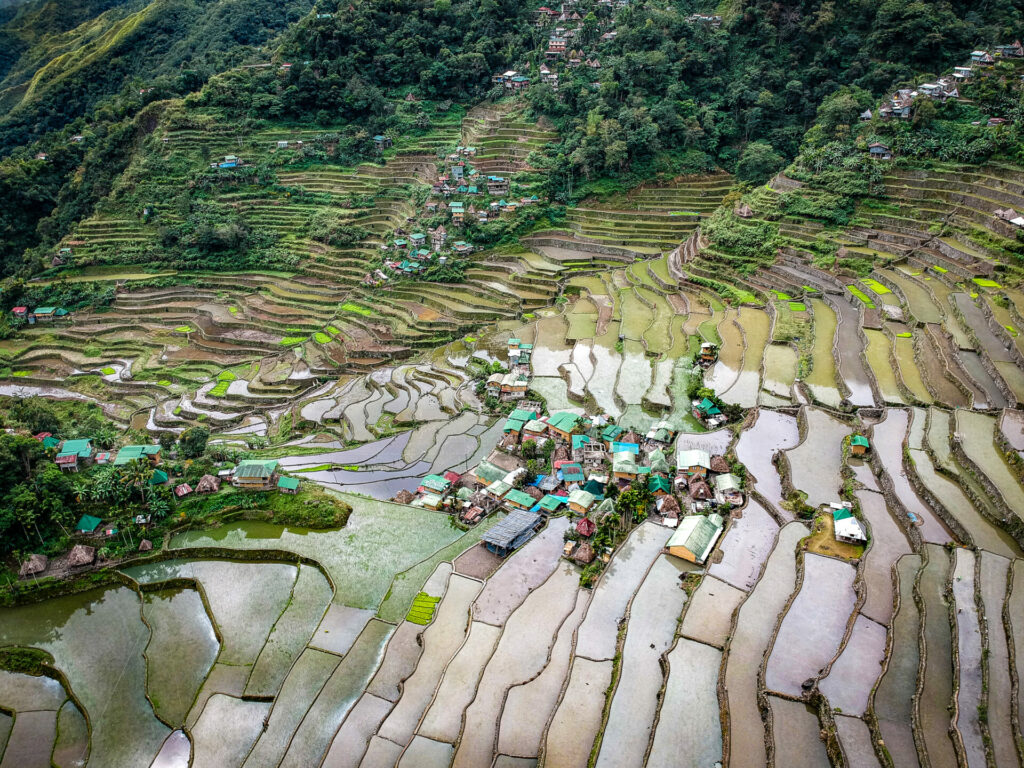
(616, 383)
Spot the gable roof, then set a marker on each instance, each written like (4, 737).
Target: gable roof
(564, 421)
(506, 531)
(255, 468)
(288, 483)
(697, 534)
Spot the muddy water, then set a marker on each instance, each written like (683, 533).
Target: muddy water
(849, 346)
(399, 662)
(813, 627)
(521, 653)
(226, 731)
(977, 434)
(756, 327)
(577, 720)
(853, 675)
(596, 638)
(877, 352)
(888, 543)
(992, 587)
(920, 302)
(888, 445)
(984, 533)
(709, 612)
(780, 365)
(689, 698)
(555, 393)
(350, 743)
(726, 371)
(773, 431)
(746, 545)
(937, 692)
(246, 598)
(754, 626)
(909, 370)
(440, 641)
(175, 753)
(815, 463)
(795, 731)
(968, 640)
(635, 373)
(380, 539)
(521, 573)
(550, 349)
(528, 707)
(994, 397)
(31, 740)
(72, 743)
(106, 669)
(443, 720)
(182, 650)
(653, 619)
(822, 379)
(857, 744)
(313, 737)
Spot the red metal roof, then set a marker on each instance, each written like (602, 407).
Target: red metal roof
(586, 527)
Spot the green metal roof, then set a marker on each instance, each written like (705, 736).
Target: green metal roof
(659, 483)
(520, 498)
(288, 483)
(564, 421)
(581, 498)
(578, 441)
(80, 448)
(611, 432)
(489, 473)
(514, 425)
(88, 524)
(551, 503)
(132, 452)
(159, 477)
(859, 440)
(435, 483)
(523, 414)
(256, 468)
(696, 533)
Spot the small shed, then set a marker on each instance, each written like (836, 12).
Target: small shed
(512, 532)
(859, 445)
(88, 524)
(848, 528)
(35, 564)
(80, 555)
(585, 554)
(145, 545)
(288, 484)
(182, 490)
(208, 484)
(695, 537)
(404, 497)
(586, 527)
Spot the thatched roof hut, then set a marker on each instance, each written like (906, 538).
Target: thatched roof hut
(719, 465)
(744, 211)
(699, 490)
(534, 492)
(561, 454)
(630, 437)
(145, 545)
(208, 484)
(81, 554)
(669, 507)
(404, 497)
(585, 554)
(35, 564)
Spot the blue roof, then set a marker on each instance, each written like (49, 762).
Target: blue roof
(630, 447)
(495, 178)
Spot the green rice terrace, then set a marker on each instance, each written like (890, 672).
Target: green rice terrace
(330, 449)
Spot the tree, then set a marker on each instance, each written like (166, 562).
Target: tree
(193, 442)
(168, 441)
(758, 162)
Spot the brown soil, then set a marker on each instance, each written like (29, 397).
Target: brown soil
(822, 541)
(478, 562)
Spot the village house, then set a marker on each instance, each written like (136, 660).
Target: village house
(438, 238)
(879, 151)
(581, 502)
(132, 452)
(727, 490)
(708, 354)
(571, 473)
(435, 484)
(516, 499)
(517, 83)
(659, 485)
(695, 537)
(514, 386)
(458, 212)
(556, 47)
(984, 58)
(610, 434)
(253, 474)
(229, 161)
(859, 445)
(74, 453)
(846, 527)
(707, 412)
(535, 429)
(661, 434)
(562, 425)
(624, 466)
(497, 185)
(963, 73)
(380, 142)
(417, 239)
(694, 461)
(1014, 50)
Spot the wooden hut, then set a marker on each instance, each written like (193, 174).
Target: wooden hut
(81, 554)
(34, 565)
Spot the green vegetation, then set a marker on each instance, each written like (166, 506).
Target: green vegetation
(861, 295)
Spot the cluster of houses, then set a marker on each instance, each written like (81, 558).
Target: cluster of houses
(513, 384)
(40, 314)
(899, 106)
(251, 474)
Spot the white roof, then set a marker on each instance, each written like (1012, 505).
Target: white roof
(693, 458)
(1019, 221)
(850, 528)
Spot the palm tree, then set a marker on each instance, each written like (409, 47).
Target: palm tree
(138, 473)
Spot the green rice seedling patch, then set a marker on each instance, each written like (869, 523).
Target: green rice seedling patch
(875, 286)
(985, 282)
(220, 389)
(348, 306)
(332, 330)
(291, 341)
(940, 270)
(862, 296)
(164, 382)
(183, 329)
(107, 370)
(321, 337)
(781, 296)
(528, 316)
(423, 607)
(470, 339)
(19, 374)
(233, 310)
(1013, 331)
(797, 306)
(350, 467)
(226, 376)
(905, 335)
